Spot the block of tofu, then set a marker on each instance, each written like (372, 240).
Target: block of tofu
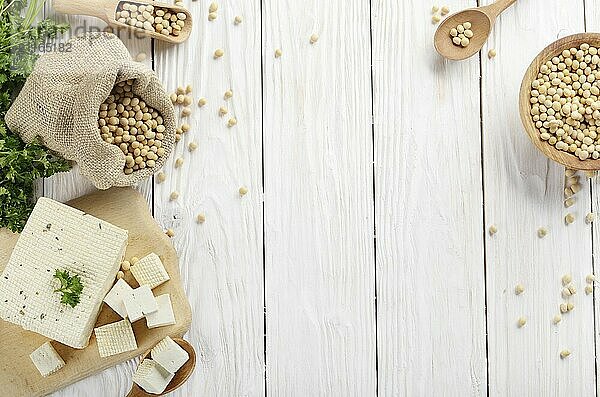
(46, 359)
(139, 303)
(150, 271)
(59, 237)
(114, 299)
(164, 315)
(115, 338)
(169, 355)
(151, 377)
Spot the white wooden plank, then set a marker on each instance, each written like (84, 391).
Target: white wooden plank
(430, 274)
(319, 270)
(595, 196)
(66, 186)
(221, 260)
(592, 24)
(524, 191)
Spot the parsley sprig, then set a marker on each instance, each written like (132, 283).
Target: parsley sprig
(21, 164)
(70, 287)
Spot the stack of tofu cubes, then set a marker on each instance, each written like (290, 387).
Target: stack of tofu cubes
(133, 305)
(154, 374)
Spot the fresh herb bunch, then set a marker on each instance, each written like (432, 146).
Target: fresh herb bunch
(20, 163)
(70, 287)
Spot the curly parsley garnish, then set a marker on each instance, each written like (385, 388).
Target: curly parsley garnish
(70, 287)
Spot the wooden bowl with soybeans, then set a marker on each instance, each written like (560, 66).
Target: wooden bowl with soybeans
(559, 101)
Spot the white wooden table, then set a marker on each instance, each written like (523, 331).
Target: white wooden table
(359, 263)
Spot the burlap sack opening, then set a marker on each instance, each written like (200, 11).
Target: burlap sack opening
(60, 101)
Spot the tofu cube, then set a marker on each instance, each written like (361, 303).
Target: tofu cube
(169, 355)
(115, 338)
(150, 271)
(151, 377)
(164, 315)
(114, 299)
(139, 303)
(46, 359)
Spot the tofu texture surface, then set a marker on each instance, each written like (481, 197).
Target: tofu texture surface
(169, 355)
(114, 299)
(139, 303)
(164, 315)
(46, 359)
(59, 237)
(115, 338)
(150, 271)
(152, 377)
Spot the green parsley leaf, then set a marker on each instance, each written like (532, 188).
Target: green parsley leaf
(70, 287)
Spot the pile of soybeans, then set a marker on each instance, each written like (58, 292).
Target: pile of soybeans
(565, 101)
(126, 121)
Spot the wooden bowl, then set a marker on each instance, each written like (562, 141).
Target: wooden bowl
(565, 158)
(180, 377)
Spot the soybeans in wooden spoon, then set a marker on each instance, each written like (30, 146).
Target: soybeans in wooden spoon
(481, 20)
(160, 21)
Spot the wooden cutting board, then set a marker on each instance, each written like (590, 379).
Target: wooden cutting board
(126, 208)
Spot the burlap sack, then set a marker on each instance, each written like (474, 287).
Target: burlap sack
(61, 99)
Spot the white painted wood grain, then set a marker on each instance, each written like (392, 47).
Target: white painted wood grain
(430, 276)
(524, 191)
(320, 214)
(319, 264)
(221, 260)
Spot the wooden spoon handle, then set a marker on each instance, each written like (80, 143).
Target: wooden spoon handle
(495, 9)
(137, 392)
(94, 8)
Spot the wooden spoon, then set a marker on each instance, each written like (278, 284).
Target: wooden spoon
(180, 377)
(567, 159)
(106, 10)
(482, 21)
